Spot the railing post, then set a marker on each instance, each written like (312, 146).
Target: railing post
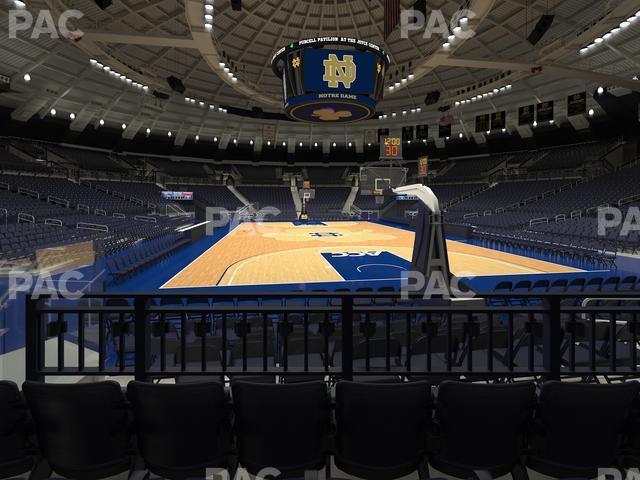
(33, 347)
(347, 337)
(142, 354)
(553, 340)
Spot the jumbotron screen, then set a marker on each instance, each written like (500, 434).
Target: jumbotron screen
(331, 79)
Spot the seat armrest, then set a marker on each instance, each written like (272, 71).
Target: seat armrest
(481, 475)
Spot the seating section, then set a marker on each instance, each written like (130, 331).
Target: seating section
(64, 190)
(9, 162)
(328, 203)
(325, 175)
(366, 202)
(259, 176)
(124, 266)
(561, 213)
(472, 168)
(553, 211)
(572, 156)
(42, 212)
(585, 229)
(212, 195)
(536, 161)
(91, 159)
(463, 430)
(273, 196)
(503, 195)
(179, 169)
(452, 193)
(149, 193)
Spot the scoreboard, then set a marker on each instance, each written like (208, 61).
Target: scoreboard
(391, 148)
(178, 196)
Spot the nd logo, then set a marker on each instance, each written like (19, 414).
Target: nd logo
(339, 71)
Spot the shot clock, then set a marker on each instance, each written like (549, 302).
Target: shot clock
(391, 148)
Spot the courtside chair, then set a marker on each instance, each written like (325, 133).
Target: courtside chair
(282, 426)
(84, 429)
(576, 285)
(541, 286)
(579, 428)
(181, 430)
(627, 283)
(16, 451)
(593, 285)
(382, 429)
(560, 285)
(481, 429)
(502, 287)
(523, 286)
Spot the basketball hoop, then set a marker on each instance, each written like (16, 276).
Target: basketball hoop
(376, 178)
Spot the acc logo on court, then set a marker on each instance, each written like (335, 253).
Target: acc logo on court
(355, 254)
(339, 71)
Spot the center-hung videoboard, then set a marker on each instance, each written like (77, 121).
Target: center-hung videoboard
(331, 79)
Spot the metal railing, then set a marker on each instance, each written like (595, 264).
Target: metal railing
(333, 335)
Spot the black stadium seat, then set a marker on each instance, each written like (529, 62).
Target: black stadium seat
(482, 428)
(181, 429)
(580, 427)
(83, 429)
(382, 429)
(281, 426)
(16, 451)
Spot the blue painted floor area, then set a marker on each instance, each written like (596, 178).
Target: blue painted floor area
(368, 266)
(371, 270)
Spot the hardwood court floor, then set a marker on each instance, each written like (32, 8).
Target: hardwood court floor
(283, 253)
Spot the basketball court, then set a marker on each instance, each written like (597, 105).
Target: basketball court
(318, 252)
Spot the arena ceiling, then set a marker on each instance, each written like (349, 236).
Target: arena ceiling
(148, 41)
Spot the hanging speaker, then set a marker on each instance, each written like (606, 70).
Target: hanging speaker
(432, 98)
(176, 84)
(103, 4)
(421, 6)
(541, 28)
(5, 84)
(236, 5)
